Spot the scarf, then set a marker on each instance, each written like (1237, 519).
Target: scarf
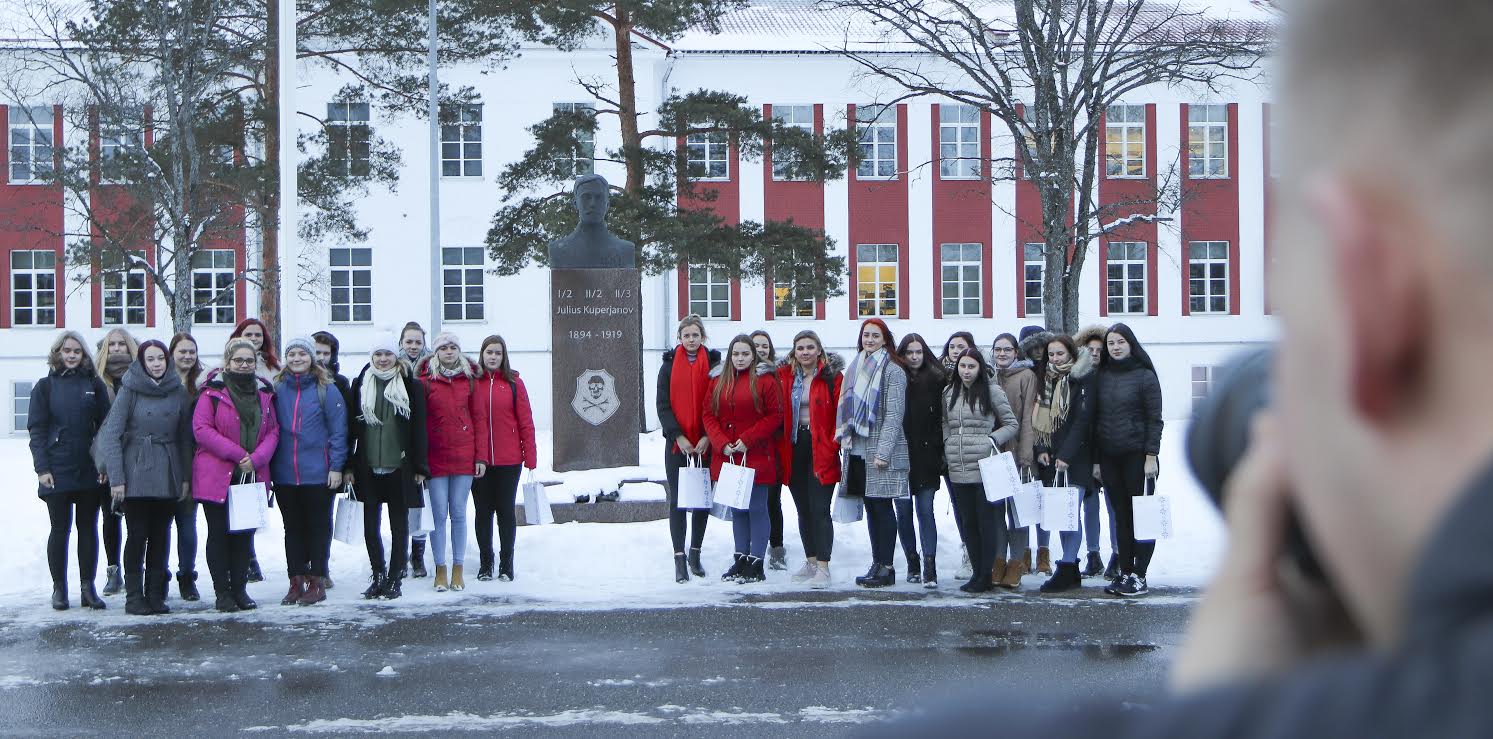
(243, 390)
(687, 383)
(1052, 407)
(860, 400)
(394, 392)
(451, 372)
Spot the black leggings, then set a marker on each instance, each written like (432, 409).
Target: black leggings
(494, 494)
(812, 499)
(148, 522)
(375, 493)
(60, 508)
(227, 551)
(980, 526)
(775, 514)
(307, 511)
(111, 527)
(186, 537)
(1124, 478)
(697, 519)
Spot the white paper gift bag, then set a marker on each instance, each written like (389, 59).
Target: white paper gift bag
(248, 506)
(1000, 477)
(1061, 506)
(427, 517)
(847, 509)
(694, 491)
(536, 503)
(347, 524)
(1026, 505)
(733, 487)
(1153, 514)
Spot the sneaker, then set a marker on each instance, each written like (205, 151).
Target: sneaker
(805, 573)
(1113, 587)
(965, 571)
(821, 578)
(1132, 586)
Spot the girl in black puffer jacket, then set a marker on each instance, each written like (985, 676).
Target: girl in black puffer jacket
(1128, 431)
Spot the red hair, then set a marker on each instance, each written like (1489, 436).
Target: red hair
(267, 351)
(889, 343)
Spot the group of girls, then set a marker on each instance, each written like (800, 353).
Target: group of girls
(144, 431)
(880, 435)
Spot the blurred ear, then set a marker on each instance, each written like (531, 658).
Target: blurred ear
(1382, 282)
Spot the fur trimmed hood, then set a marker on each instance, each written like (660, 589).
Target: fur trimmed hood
(1090, 333)
(426, 369)
(1040, 338)
(763, 368)
(831, 365)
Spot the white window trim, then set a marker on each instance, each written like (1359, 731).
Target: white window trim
(464, 303)
(708, 283)
(896, 283)
(124, 307)
(710, 147)
(807, 127)
(583, 138)
(348, 124)
(18, 424)
(1126, 127)
(1040, 262)
(1125, 295)
(461, 144)
(979, 282)
(1228, 299)
(35, 308)
(231, 304)
(961, 161)
(1210, 126)
(1207, 382)
(880, 121)
(25, 122)
(351, 270)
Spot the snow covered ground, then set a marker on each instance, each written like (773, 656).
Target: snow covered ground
(575, 566)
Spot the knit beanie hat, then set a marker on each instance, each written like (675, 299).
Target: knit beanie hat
(445, 338)
(384, 342)
(300, 342)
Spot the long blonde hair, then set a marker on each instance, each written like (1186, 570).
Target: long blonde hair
(102, 351)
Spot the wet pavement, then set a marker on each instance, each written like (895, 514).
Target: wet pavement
(789, 664)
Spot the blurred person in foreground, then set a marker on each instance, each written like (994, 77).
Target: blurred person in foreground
(1380, 439)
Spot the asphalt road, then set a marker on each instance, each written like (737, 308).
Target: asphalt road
(801, 665)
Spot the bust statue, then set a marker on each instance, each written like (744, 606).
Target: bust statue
(590, 245)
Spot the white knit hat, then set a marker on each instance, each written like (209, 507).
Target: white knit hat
(444, 338)
(384, 342)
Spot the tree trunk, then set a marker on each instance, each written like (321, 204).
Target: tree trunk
(268, 208)
(632, 153)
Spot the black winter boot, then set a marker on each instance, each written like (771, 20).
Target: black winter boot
(738, 561)
(1093, 566)
(885, 577)
(224, 601)
(242, 599)
(134, 595)
(375, 584)
(59, 596)
(90, 597)
(753, 570)
(255, 574)
(869, 576)
(417, 558)
(393, 588)
(914, 568)
(930, 571)
(186, 584)
(1066, 578)
(978, 583)
(695, 568)
(113, 582)
(681, 569)
(1113, 570)
(484, 568)
(505, 567)
(155, 591)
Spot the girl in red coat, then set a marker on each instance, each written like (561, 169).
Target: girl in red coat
(456, 424)
(743, 418)
(807, 451)
(504, 400)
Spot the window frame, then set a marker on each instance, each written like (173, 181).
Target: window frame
(1126, 262)
(124, 290)
(711, 144)
(19, 418)
(37, 276)
(585, 140)
(878, 297)
(1131, 133)
(343, 151)
(472, 277)
(962, 283)
(213, 270)
(461, 129)
(1204, 135)
(878, 148)
(351, 270)
(963, 140)
(714, 278)
(1206, 383)
(32, 127)
(1028, 261)
(1208, 280)
(777, 114)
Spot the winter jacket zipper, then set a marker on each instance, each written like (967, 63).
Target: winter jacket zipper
(295, 430)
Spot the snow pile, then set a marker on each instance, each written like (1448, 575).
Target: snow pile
(576, 566)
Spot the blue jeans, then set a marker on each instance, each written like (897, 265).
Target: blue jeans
(1073, 540)
(448, 499)
(925, 524)
(1091, 519)
(751, 530)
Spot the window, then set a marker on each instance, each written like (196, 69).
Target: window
(709, 292)
(116, 139)
(1126, 277)
(20, 404)
(1125, 141)
(1208, 141)
(123, 294)
(584, 161)
(212, 286)
(876, 279)
(461, 283)
(33, 288)
(461, 142)
(958, 142)
(705, 155)
(30, 144)
(876, 127)
(960, 273)
(348, 137)
(1202, 382)
(790, 298)
(798, 116)
(1034, 267)
(1208, 277)
(352, 284)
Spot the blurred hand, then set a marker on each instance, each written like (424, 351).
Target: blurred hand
(117, 492)
(246, 465)
(334, 479)
(1153, 468)
(703, 447)
(685, 447)
(45, 480)
(481, 470)
(1044, 459)
(1097, 477)
(882, 464)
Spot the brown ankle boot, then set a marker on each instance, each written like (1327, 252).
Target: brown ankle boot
(440, 578)
(998, 572)
(1014, 570)
(297, 589)
(1044, 560)
(456, 582)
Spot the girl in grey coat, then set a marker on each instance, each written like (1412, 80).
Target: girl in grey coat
(868, 425)
(146, 449)
(977, 422)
